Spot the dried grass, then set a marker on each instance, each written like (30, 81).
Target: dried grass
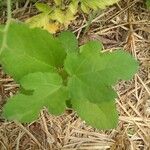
(128, 28)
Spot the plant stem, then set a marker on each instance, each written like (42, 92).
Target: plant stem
(8, 10)
(5, 31)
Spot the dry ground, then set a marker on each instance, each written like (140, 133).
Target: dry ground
(126, 25)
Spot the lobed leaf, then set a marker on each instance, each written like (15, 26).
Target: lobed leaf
(92, 75)
(103, 116)
(48, 91)
(30, 50)
(86, 5)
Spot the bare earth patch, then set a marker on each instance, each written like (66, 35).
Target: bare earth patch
(127, 25)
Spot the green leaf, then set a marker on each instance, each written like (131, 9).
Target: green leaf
(40, 20)
(104, 116)
(43, 21)
(92, 74)
(30, 50)
(43, 7)
(69, 41)
(20, 107)
(54, 18)
(33, 56)
(62, 16)
(73, 6)
(96, 4)
(58, 2)
(2, 28)
(48, 91)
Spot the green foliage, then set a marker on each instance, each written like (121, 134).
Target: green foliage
(69, 42)
(104, 116)
(52, 18)
(43, 7)
(92, 75)
(86, 5)
(55, 70)
(105, 70)
(48, 91)
(59, 15)
(35, 50)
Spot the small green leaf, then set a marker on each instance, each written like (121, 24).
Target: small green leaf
(54, 18)
(58, 2)
(103, 116)
(48, 91)
(40, 20)
(69, 41)
(73, 6)
(43, 7)
(30, 50)
(64, 17)
(96, 4)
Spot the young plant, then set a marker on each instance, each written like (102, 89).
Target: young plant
(53, 70)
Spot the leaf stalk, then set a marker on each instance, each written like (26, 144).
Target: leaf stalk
(5, 31)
